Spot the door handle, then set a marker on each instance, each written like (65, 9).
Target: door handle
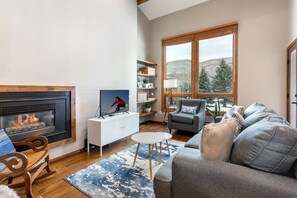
(294, 103)
(295, 95)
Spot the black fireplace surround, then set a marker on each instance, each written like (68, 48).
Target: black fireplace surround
(26, 114)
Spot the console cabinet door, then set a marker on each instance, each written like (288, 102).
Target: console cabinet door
(111, 131)
(131, 125)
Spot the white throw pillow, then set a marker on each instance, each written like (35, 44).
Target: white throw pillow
(217, 139)
(188, 109)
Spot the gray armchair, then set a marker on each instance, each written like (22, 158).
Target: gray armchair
(186, 121)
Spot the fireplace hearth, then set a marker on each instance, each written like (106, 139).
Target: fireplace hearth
(26, 113)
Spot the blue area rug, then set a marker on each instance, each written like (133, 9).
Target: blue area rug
(114, 176)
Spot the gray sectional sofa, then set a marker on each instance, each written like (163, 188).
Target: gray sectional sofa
(262, 163)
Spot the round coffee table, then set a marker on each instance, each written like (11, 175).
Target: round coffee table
(167, 136)
(151, 139)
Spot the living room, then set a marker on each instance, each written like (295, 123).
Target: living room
(94, 45)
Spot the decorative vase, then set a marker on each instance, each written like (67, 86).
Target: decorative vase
(147, 110)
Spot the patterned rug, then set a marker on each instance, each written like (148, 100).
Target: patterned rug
(114, 176)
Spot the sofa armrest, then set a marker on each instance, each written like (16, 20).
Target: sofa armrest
(194, 176)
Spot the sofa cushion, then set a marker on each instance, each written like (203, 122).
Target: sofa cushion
(163, 177)
(194, 142)
(253, 108)
(257, 116)
(188, 109)
(269, 145)
(217, 139)
(6, 146)
(182, 117)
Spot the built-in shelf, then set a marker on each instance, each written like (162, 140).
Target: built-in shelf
(146, 75)
(146, 70)
(146, 101)
(147, 63)
(139, 88)
(143, 114)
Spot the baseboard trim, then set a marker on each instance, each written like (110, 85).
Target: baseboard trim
(67, 155)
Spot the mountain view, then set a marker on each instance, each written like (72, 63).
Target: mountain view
(215, 76)
(211, 65)
(181, 70)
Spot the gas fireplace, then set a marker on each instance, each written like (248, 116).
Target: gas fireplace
(29, 113)
(37, 123)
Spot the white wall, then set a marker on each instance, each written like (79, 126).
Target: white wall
(143, 36)
(262, 44)
(292, 20)
(90, 44)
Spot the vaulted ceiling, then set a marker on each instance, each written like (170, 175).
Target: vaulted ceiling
(157, 8)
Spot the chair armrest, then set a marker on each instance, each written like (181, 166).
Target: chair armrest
(16, 162)
(194, 175)
(199, 119)
(36, 143)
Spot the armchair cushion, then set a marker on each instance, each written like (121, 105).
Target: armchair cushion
(6, 146)
(183, 118)
(188, 109)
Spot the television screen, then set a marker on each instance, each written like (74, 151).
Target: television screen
(113, 101)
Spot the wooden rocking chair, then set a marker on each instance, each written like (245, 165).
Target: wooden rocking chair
(27, 164)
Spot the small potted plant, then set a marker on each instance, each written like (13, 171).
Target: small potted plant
(147, 107)
(216, 114)
(145, 83)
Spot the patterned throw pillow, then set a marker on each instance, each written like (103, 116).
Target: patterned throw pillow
(237, 113)
(6, 146)
(188, 109)
(230, 112)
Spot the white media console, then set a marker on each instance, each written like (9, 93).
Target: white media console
(103, 131)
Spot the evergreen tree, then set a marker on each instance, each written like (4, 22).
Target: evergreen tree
(204, 82)
(222, 82)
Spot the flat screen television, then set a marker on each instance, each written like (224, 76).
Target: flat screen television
(113, 101)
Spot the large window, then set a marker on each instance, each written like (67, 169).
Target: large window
(179, 66)
(204, 64)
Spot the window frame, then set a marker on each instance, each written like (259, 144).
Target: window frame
(194, 37)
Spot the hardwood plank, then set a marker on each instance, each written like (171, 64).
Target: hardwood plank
(56, 187)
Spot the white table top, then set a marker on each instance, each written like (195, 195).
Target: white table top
(166, 135)
(150, 137)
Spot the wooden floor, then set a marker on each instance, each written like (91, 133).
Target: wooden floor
(55, 186)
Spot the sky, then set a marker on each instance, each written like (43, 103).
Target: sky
(213, 48)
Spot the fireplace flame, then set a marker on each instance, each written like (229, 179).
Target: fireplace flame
(30, 119)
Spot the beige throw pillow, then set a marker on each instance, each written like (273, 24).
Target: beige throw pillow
(217, 139)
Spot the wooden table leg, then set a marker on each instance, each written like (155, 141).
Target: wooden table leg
(160, 156)
(168, 147)
(136, 154)
(156, 149)
(150, 161)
